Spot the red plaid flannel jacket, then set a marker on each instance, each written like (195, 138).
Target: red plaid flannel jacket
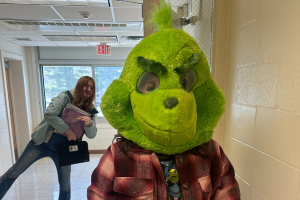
(118, 177)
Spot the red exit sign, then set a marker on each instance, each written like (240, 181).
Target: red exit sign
(103, 49)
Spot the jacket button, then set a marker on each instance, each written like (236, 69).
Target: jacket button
(180, 159)
(185, 186)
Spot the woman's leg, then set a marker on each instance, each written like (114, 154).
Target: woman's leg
(64, 179)
(30, 155)
(64, 173)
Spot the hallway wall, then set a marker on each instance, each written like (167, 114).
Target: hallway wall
(6, 155)
(261, 134)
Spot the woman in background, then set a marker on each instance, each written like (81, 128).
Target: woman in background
(46, 137)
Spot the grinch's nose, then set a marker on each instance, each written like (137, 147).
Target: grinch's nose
(171, 102)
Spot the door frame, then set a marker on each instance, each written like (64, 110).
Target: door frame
(11, 56)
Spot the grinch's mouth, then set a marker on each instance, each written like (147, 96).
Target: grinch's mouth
(165, 136)
(148, 124)
(164, 130)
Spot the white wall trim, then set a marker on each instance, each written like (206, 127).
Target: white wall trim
(34, 85)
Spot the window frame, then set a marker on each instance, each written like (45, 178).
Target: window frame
(100, 120)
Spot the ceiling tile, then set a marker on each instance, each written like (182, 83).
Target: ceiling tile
(125, 14)
(103, 3)
(72, 13)
(16, 1)
(59, 2)
(105, 39)
(57, 32)
(19, 33)
(71, 43)
(81, 3)
(18, 43)
(6, 38)
(33, 1)
(77, 38)
(38, 43)
(128, 14)
(125, 4)
(97, 33)
(29, 12)
(2, 30)
(137, 33)
(32, 37)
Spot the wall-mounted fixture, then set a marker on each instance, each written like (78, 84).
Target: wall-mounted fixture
(85, 14)
(185, 11)
(6, 63)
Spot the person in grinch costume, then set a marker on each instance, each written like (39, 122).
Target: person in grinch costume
(165, 106)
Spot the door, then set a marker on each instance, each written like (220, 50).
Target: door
(11, 113)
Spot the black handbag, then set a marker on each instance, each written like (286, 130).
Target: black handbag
(73, 152)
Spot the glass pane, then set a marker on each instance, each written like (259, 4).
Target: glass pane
(103, 77)
(62, 78)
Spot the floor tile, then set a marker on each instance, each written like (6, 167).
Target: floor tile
(40, 181)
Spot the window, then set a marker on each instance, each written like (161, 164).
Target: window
(61, 78)
(104, 76)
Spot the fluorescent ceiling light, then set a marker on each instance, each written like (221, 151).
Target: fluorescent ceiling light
(81, 38)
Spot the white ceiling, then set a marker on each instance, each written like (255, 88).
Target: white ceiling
(61, 17)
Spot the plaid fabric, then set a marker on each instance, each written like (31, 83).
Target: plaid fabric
(117, 177)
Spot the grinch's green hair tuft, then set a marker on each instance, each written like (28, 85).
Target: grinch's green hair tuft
(161, 16)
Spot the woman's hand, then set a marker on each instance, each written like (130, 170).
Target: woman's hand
(71, 135)
(87, 121)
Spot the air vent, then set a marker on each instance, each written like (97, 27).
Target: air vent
(88, 38)
(26, 23)
(23, 39)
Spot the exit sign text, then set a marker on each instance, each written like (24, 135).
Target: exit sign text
(103, 49)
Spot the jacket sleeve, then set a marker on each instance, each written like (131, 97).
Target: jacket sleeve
(91, 131)
(102, 180)
(54, 110)
(229, 188)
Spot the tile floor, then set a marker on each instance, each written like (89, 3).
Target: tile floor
(40, 182)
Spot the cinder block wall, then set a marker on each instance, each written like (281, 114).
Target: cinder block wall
(261, 131)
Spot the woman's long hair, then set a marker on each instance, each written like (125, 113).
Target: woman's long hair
(79, 101)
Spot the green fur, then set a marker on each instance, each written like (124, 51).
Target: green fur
(170, 127)
(189, 64)
(151, 66)
(165, 130)
(116, 107)
(161, 16)
(172, 49)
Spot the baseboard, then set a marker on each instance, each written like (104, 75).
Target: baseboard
(100, 151)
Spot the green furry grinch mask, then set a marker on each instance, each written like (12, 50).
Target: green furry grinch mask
(165, 99)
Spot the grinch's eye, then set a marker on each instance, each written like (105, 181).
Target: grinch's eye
(147, 82)
(188, 80)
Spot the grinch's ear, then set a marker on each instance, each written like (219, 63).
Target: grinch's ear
(210, 102)
(116, 105)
